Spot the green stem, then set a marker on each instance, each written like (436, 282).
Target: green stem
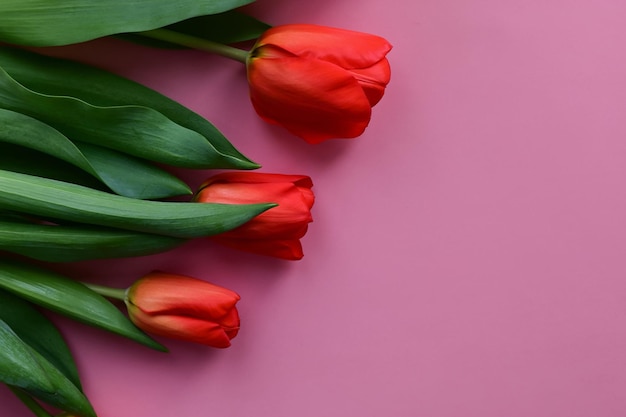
(196, 43)
(116, 293)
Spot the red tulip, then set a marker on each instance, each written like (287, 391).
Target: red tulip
(318, 82)
(276, 232)
(184, 308)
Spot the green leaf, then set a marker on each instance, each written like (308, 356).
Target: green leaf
(22, 366)
(136, 130)
(70, 298)
(59, 200)
(27, 161)
(228, 27)
(130, 176)
(39, 333)
(57, 77)
(59, 243)
(123, 174)
(62, 22)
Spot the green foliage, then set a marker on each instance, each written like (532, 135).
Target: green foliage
(87, 104)
(123, 174)
(36, 330)
(24, 367)
(62, 22)
(53, 199)
(35, 361)
(68, 297)
(69, 134)
(138, 130)
(71, 243)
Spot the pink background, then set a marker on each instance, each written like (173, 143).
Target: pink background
(467, 255)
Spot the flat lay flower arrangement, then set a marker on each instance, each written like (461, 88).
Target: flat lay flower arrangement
(84, 172)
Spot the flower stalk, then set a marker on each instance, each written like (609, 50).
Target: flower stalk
(197, 43)
(115, 293)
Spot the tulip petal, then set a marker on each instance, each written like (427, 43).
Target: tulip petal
(292, 211)
(189, 329)
(238, 193)
(373, 80)
(278, 233)
(287, 220)
(346, 48)
(161, 293)
(308, 198)
(303, 183)
(314, 100)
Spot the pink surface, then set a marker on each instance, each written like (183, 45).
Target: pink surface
(467, 255)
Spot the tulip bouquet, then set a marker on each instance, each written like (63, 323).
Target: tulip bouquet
(84, 172)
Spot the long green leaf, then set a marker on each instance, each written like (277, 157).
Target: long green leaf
(55, 199)
(116, 169)
(61, 22)
(122, 173)
(22, 366)
(58, 77)
(56, 243)
(27, 161)
(70, 298)
(37, 331)
(136, 130)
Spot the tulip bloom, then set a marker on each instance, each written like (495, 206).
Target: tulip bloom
(318, 82)
(184, 308)
(276, 232)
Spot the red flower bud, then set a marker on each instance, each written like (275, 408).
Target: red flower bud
(276, 232)
(184, 308)
(318, 82)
